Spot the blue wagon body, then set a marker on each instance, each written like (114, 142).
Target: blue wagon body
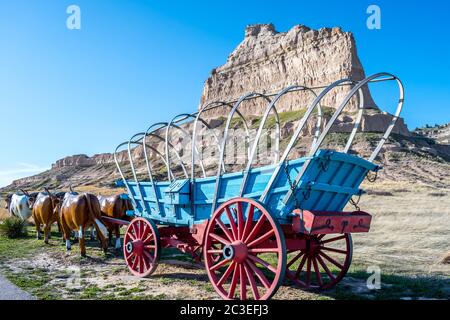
(327, 185)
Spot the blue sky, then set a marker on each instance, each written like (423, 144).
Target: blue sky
(65, 92)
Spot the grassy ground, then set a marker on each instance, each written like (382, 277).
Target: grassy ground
(408, 239)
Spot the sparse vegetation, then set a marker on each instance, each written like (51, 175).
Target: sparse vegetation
(12, 227)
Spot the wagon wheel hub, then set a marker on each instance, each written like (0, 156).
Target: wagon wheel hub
(313, 246)
(237, 251)
(136, 246)
(129, 247)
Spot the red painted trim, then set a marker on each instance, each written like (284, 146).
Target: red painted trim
(323, 222)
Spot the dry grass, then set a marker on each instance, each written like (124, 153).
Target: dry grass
(410, 231)
(3, 212)
(99, 190)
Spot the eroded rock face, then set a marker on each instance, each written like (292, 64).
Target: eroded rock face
(267, 61)
(83, 160)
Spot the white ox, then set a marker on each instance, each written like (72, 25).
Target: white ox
(18, 205)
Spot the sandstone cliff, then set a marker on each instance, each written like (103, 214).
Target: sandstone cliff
(267, 61)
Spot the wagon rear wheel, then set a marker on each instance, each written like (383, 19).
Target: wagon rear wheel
(244, 251)
(322, 263)
(141, 247)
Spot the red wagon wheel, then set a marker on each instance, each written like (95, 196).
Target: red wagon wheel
(141, 247)
(244, 248)
(322, 263)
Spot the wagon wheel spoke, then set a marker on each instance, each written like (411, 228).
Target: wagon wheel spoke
(317, 271)
(333, 250)
(232, 223)
(252, 282)
(219, 264)
(233, 283)
(214, 251)
(148, 239)
(149, 256)
(263, 263)
(138, 229)
(308, 272)
(332, 239)
(141, 264)
(263, 250)
(145, 232)
(324, 266)
(130, 257)
(225, 230)
(256, 229)
(264, 237)
(249, 221)
(320, 237)
(243, 284)
(300, 266)
(219, 238)
(298, 256)
(240, 220)
(259, 274)
(134, 234)
(337, 264)
(135, 262)
(226, 274)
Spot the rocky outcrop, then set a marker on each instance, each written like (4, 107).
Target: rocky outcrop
(267, 61)
(82, 160)
(439, 133)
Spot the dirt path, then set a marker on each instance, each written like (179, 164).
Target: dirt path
(9, 291)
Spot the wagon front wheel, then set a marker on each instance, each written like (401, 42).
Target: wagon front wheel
(244, 251)
(322, 262)
(141, 247)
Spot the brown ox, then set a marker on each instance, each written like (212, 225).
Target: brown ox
(77, 213)
(44, 213)
(115, 207)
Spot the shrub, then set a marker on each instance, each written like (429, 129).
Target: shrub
(12, 227)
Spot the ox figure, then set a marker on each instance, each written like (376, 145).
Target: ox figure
(44, 213)
(115, 207)
(18, 205)
(78, 212)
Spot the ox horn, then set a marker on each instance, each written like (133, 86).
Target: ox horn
(48, 191)
(25, 192)
(71, 189)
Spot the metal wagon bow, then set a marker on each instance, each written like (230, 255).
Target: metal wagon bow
(253, 227)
